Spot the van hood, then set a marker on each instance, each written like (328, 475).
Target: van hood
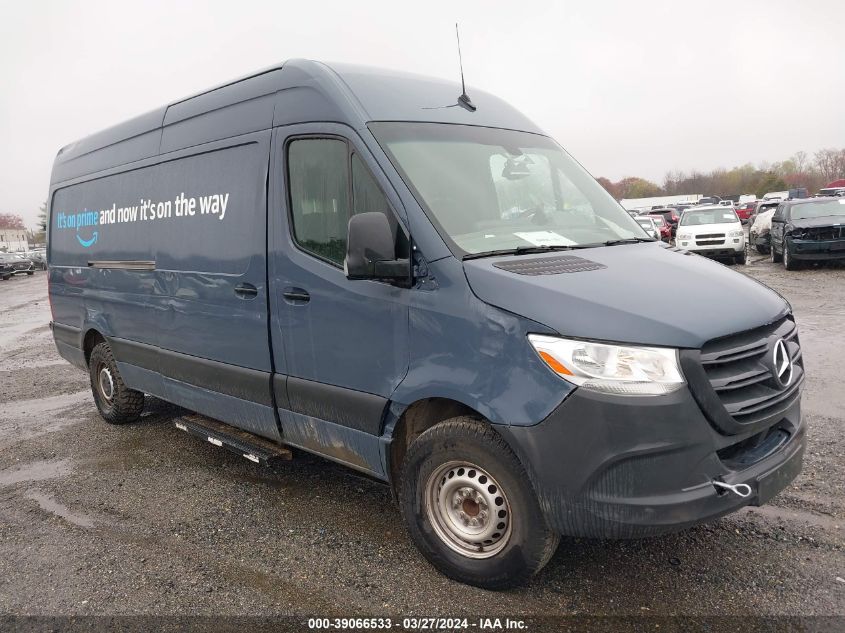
(639, 293)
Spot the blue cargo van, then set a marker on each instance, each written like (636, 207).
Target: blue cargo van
(372, 267)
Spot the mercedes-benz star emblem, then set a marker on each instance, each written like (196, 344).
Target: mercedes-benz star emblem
(781, 364)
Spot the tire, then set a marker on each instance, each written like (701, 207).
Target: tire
(30, 273)
(789, 262)
(775, 256)
(467, 455)
(741, 258)
(122, 404)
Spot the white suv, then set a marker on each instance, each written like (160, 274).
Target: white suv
(714, 231)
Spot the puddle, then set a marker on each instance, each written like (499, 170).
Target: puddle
(52, 506)
(35, 471)
(798, 516)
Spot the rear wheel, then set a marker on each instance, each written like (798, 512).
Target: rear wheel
(470, 507)
(117, 403)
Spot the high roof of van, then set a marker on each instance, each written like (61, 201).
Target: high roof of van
(297, 91)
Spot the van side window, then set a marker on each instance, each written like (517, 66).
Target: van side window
(319, 195)
(327, 186)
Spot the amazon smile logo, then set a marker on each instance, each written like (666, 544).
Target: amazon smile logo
(88, 243)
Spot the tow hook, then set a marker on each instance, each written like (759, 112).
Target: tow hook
(742, 490)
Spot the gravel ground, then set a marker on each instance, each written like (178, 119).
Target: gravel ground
(145, 519)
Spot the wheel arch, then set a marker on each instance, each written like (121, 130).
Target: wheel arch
(414, 420)
(90, 340)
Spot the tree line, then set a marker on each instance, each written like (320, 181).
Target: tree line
(799, 170)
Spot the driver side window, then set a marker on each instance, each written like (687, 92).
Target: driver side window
(328, 183)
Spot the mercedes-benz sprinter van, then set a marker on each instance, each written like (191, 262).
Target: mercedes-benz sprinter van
(430, 290)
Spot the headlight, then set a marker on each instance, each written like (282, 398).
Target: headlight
(684, 236)
(736, 233)
(611, 368)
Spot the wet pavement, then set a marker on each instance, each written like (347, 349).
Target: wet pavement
(144, 519)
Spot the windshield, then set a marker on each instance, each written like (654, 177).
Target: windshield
(489, 189)
(695, 217)
(818, 209)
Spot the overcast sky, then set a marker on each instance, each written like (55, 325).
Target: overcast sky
(629, 88)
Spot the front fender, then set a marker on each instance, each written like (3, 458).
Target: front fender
(466, 350)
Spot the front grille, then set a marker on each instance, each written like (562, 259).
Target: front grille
(819, 233)
(710, 239)
(740, 369)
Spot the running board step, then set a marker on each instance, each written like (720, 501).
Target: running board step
(254, 448)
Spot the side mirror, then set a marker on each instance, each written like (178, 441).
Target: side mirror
(370, 251)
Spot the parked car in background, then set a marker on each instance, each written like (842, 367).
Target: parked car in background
(663, 227)
(745, 210)
(761, 224)
(6, 270)
(808, 230)
(17, 264)
(39, 257)
(832, 191)
(776, 195)
(726, 203)
(648, 226)
(713, 231)
(669, 215)
(708, 200)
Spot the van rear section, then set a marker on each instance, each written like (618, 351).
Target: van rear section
(356, 263)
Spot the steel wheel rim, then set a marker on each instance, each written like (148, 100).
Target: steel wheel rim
(105, 383)
(468, 510)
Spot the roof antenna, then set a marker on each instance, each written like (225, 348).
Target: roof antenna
(464, 99)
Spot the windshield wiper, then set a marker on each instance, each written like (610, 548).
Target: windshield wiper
(526, 250)
(628, 240)
(522, 250)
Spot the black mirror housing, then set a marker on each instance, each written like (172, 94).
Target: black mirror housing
(370, 250)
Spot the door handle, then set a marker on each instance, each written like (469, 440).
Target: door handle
(296, 296)
(246, 291)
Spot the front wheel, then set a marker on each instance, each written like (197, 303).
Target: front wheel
(30, 273)
(117, 403)
(775, 256)
(789, 262)
(470, 507)
(741, 258)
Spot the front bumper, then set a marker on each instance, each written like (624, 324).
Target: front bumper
(816, 249)
(627, 467)
(729, 248)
